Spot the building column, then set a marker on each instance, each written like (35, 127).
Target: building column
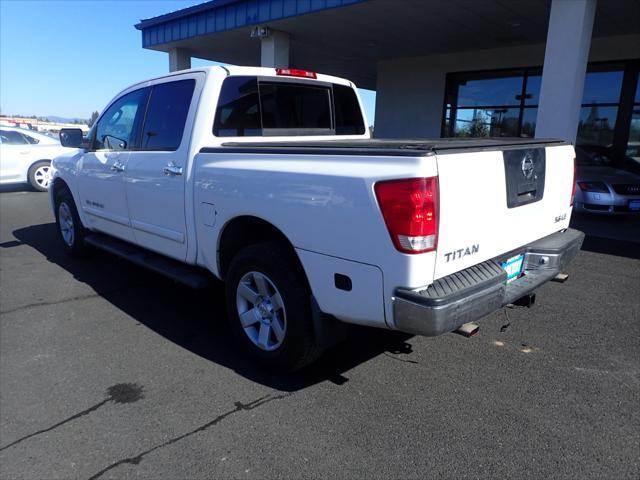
(565, 66)
(179, 59)
(274, 49)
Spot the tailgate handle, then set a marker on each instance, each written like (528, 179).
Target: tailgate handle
(528, 194)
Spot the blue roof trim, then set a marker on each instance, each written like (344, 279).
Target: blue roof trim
(221, 15)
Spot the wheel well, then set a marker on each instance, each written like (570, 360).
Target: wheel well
(38, 161)
(58, 184)
(244, 231)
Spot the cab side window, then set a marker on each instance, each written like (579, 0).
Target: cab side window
(9, 137)
(167, 115)
(238, 112)
(118, 126)
(31, 140)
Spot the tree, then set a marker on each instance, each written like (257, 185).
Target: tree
(92, 119)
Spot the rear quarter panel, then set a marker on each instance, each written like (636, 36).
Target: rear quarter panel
(324, 205)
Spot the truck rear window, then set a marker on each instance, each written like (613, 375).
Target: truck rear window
(248, 107)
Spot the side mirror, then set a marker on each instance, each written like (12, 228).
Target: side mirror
(71, 137)
(114, 143)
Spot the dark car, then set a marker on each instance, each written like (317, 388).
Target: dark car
(602, 186)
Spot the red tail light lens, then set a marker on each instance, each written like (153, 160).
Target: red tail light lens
(573, 185)
(293, 72)
(410, 210)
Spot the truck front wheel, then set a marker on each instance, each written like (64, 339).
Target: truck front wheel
(70, 227)
(268, 304)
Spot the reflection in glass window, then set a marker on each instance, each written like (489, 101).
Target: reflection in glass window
(295, 106)
(502, 103)
(492, 122)
(249, 107)
(238, 112)
(602, 87)
(532, 95)
(347, 111)
(491, 103)
(115, 129)
(490, 92)
(529, 117)
(633, 145)
(596, 125)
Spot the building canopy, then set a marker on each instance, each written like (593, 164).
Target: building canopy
(348, 38)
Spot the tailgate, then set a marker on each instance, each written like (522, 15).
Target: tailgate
(494, 201)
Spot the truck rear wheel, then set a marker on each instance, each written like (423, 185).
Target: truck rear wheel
(268, 305)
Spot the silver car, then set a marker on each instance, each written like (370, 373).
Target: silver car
(602, 188)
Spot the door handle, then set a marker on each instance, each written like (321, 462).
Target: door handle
(170, 169)
(117, 167)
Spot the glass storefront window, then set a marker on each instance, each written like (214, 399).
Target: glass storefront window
(602, 87)
(532, 96)
(490, 92)
(505, 103)
(529, 117)
(633, 146)
(486, 122)
(596, 125)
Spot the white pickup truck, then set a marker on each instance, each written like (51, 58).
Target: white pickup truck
(268, 179)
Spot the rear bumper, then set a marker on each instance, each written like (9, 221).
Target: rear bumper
(475, 292)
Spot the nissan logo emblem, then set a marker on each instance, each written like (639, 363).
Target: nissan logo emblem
(527, 166)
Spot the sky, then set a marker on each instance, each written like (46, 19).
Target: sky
(70, 57)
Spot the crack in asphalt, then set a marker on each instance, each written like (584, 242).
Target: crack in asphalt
(239, 406)
(46, 304)
(120, 393)
(44, 430)
(67, 300)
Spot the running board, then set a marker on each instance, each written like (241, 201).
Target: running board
(180, 272)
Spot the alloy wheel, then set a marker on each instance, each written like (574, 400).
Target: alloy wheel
(261, 311)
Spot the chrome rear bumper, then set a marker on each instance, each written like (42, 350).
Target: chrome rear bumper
(477, 291)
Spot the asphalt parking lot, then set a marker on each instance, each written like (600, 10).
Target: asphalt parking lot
(109, 371)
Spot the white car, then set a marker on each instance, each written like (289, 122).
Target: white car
(25, 156)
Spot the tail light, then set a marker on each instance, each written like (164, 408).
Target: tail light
(294, 72)
(410, 211)
(599, 187)
(573, 184)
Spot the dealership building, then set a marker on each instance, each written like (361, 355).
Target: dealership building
(441, 68)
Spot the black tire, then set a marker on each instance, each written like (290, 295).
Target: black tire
(298, 347)
(35, 175)
(66, 207)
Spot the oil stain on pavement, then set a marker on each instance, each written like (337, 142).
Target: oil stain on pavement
(119, 393)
